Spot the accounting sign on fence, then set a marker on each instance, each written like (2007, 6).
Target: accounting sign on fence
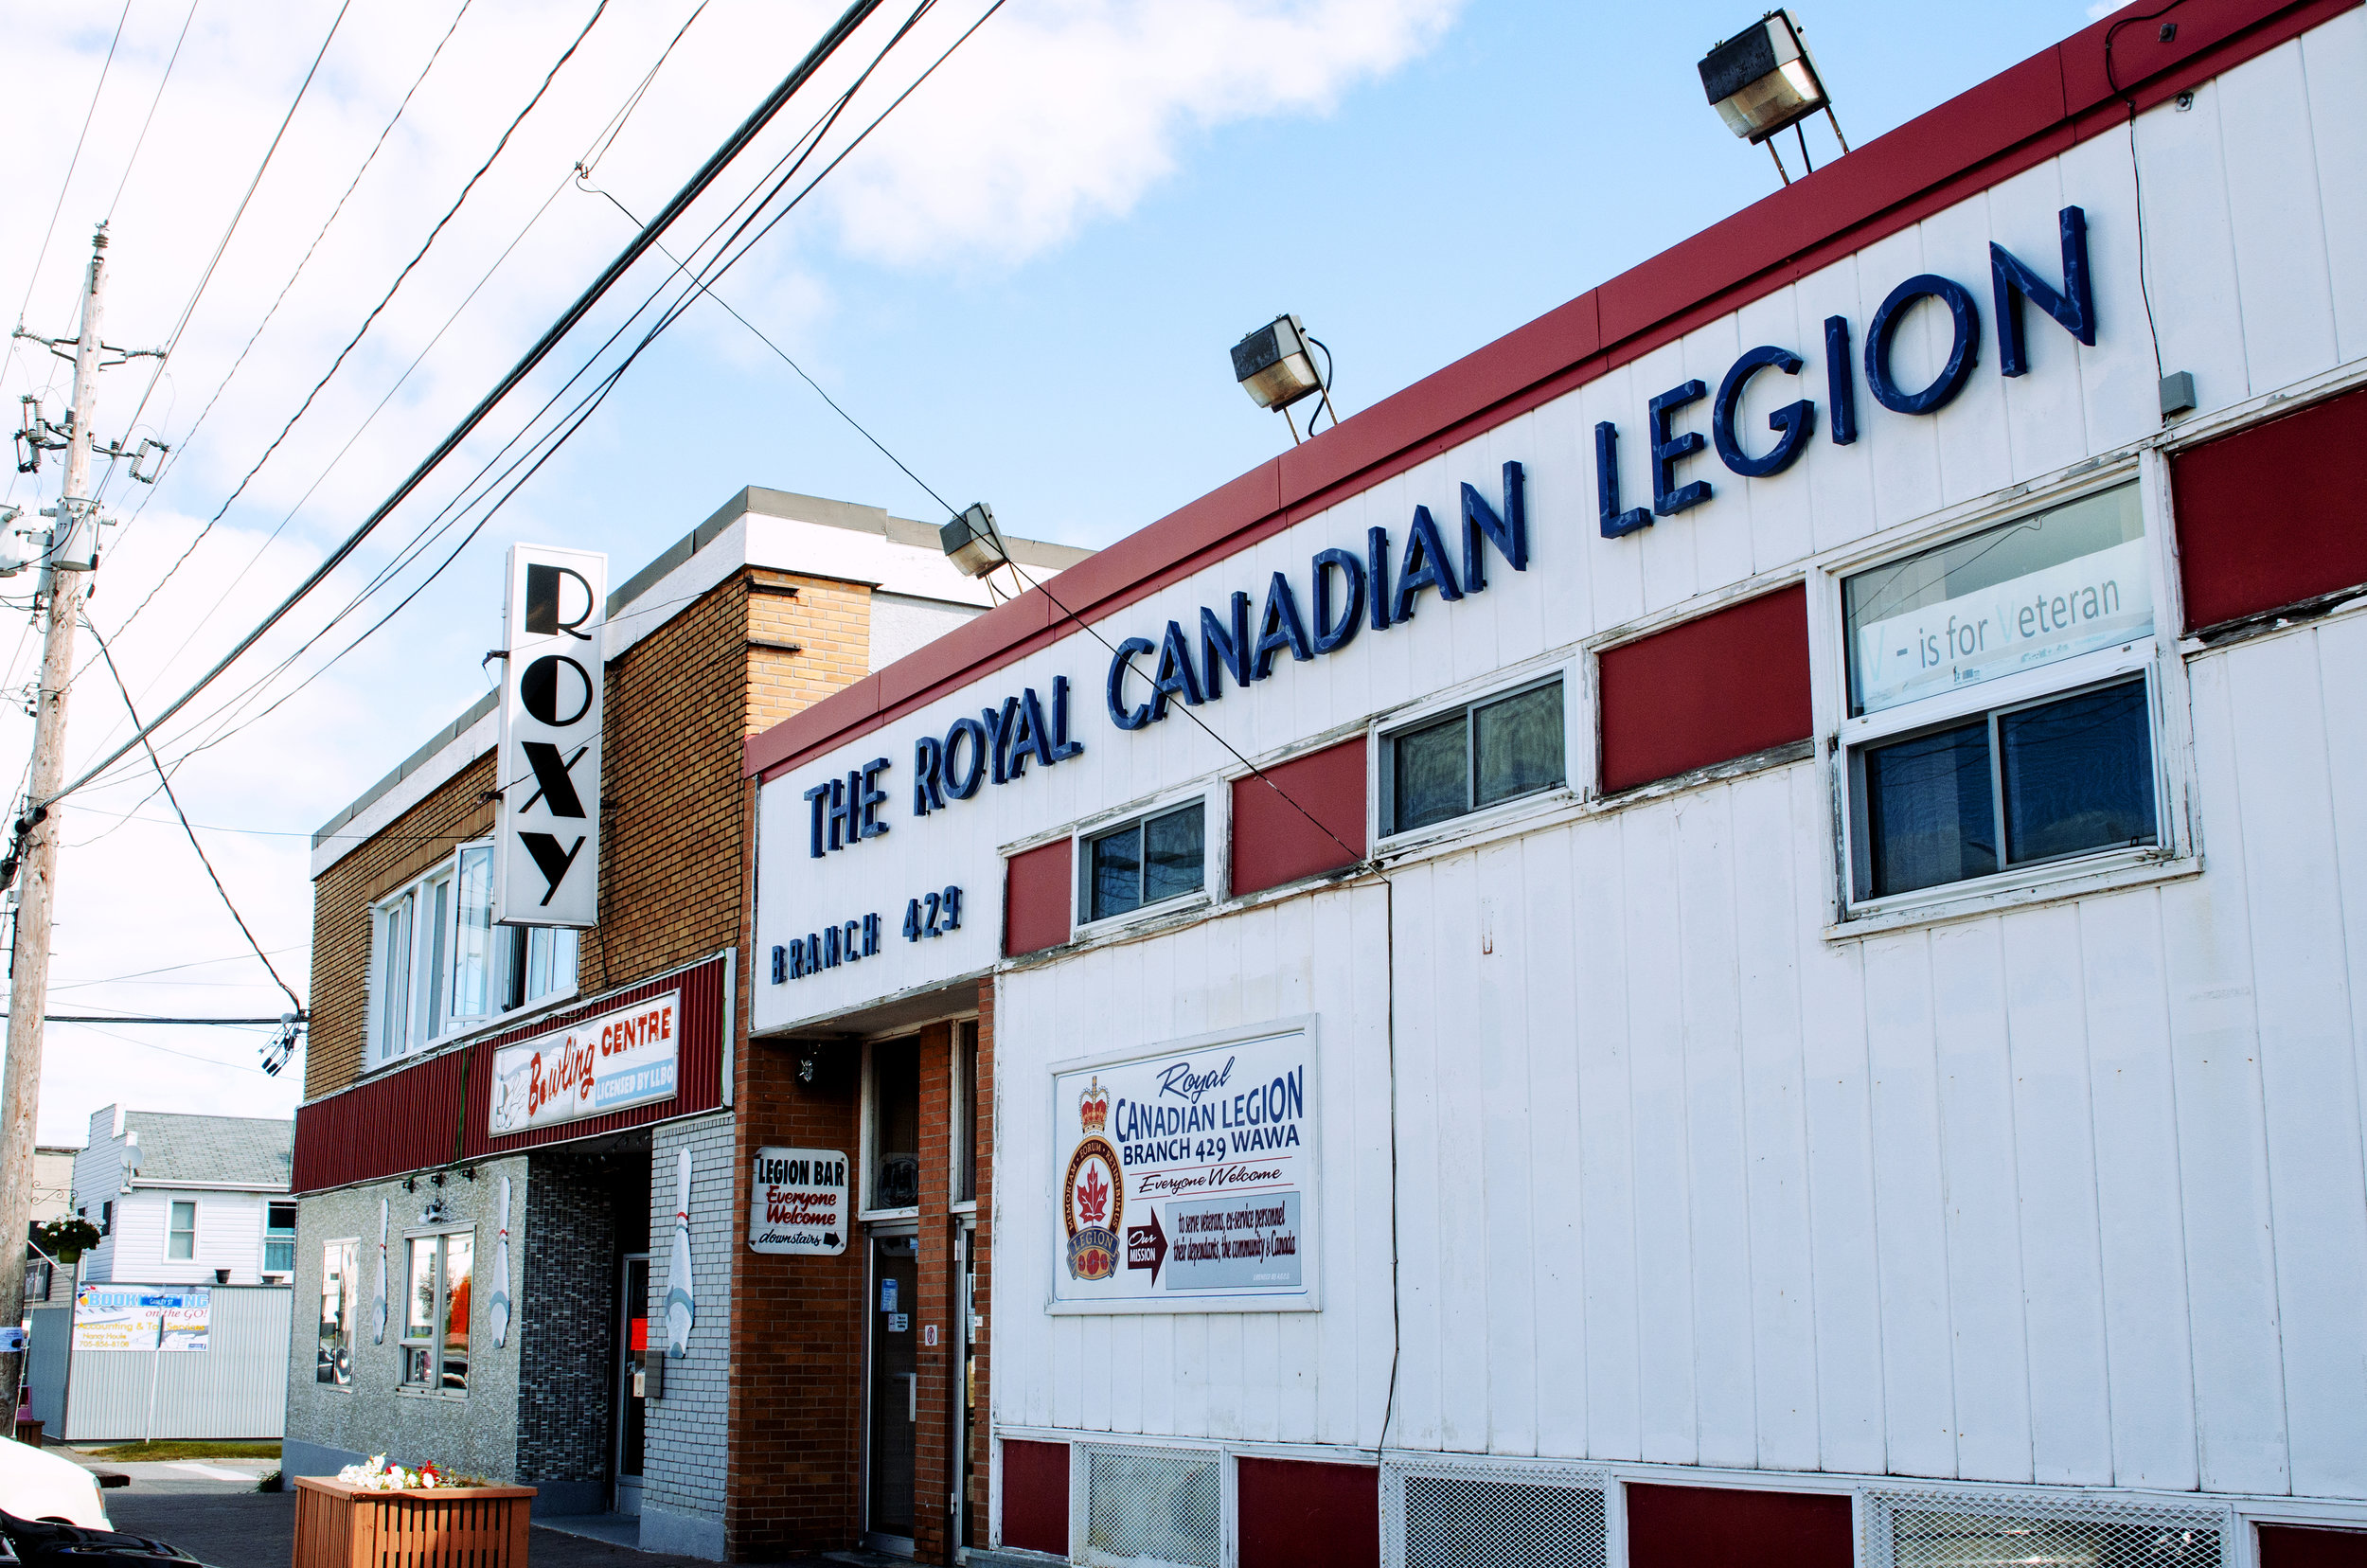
(1187, 1180)
(611, 1063)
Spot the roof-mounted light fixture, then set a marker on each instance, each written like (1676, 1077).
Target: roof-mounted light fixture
(1763, 80)
(1276, 368)
(973, 542)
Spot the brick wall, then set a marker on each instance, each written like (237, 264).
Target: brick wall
(797, 1468)
(979, 1511)
(933, 1445)
(684, 1453)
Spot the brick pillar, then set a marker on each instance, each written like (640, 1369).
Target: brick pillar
(933, 1444)
(795, 1475)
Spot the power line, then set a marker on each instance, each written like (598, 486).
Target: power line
(142, 1018)
(202, 857)
(141, 140)
(534, 356)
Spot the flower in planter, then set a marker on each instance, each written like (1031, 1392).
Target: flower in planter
(65, 1240)
(377, 1475)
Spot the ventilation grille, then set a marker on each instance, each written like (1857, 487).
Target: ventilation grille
(1149, 1506)
(1960, 1530)
(1458, 1518)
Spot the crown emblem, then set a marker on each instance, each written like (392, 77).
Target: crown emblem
(1093, 1107)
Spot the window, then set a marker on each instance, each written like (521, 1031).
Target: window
(436, 1312)
(107, 1218)
(2000, 701)
(965, 1113)
(181, 1235)
(333, 1361)
(895, 1125)
(279, 1228)
(1475, 756)
(441, 965)
(1146, 862)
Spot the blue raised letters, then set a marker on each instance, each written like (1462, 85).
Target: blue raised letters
(868, 799)
(1965, 317)
(998, 725)
(928, 764)
(1377, 572)
(1669, 497)
(1337, 630)
(961, 785)
(780, 965)
(1224, 647)
(819, 798)
(1840, 381)
(1120, 662)
(1615, 522)
(2011, 280)
(1062, 747)
(1038, 730)
(1176, 677)
(1793, 422)
(1509, 533)
(1425, 566)
(1280, 628)
(1019, 736)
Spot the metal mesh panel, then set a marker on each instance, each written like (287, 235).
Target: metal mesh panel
(1466, 1521)
(1971, 1530)
(1151, 1507)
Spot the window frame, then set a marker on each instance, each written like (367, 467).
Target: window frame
(433, 1342)
(351, 1247)
(431, 969)
(1844, 736)
(271, 1231)
(1215, 832)
(173, 1211)
(1387, 731)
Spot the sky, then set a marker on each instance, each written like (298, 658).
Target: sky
(1023, 283)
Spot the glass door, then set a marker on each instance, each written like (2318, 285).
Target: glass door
(633, 1362)
(894, 1392)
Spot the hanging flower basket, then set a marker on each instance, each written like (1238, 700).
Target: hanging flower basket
(353, 1524)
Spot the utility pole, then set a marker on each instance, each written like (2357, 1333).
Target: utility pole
(74, 546)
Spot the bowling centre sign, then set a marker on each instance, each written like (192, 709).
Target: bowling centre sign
(1186, 1178)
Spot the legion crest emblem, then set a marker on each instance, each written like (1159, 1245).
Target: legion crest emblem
(1093, 1196)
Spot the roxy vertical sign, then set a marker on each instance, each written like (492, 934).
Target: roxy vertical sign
(546, 872)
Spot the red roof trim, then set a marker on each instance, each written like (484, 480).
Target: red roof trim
(2024, 116)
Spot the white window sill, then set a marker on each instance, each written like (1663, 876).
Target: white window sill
(405, 1391)
(877, 1215)
(1143, 915)
(2039, 885)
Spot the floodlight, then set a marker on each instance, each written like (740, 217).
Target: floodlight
(1763, 80)
(973, 542)
(1273, 365)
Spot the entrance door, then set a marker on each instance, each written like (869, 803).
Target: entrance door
(894, 1392)
(632, 1359)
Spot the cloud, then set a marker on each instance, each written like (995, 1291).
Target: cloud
(1057, 115)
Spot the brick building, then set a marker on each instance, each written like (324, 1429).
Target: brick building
(494, 1300)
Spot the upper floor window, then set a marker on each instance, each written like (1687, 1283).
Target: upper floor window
(2000, 701)
(1160, 856)
(1482, 754)
(895, 1125)
(181, 1235)
(279, 1232)
(439, 964)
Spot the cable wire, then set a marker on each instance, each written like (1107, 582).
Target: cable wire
(699, 182)
(141, 140)
(202, 857)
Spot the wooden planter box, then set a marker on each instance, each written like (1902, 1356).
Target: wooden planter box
(341, 1525)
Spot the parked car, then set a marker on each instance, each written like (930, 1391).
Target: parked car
(38, 1485)
(43, 1543)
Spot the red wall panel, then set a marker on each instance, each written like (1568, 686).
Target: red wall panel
(1711, 1526)
(1036, 888)
(1296, 1515)
(1707, 690)
(2274, 514)
(1035, 1496)
(1272, 841)
(2292, 1547)
(438, 1111)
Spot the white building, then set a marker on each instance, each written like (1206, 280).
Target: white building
(1734, 929)
(187, 1200)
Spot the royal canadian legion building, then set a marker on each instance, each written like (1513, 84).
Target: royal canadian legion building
(520, 1159)
(1731, 931)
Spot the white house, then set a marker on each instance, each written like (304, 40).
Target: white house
(187, 1200)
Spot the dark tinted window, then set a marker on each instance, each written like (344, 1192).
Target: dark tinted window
(1929, 812)
(1480, 756)
(1160, 857)
(2078, 773)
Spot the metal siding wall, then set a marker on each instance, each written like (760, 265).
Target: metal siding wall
(235, 1388)
(2073, 1194)
(409, 1118)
